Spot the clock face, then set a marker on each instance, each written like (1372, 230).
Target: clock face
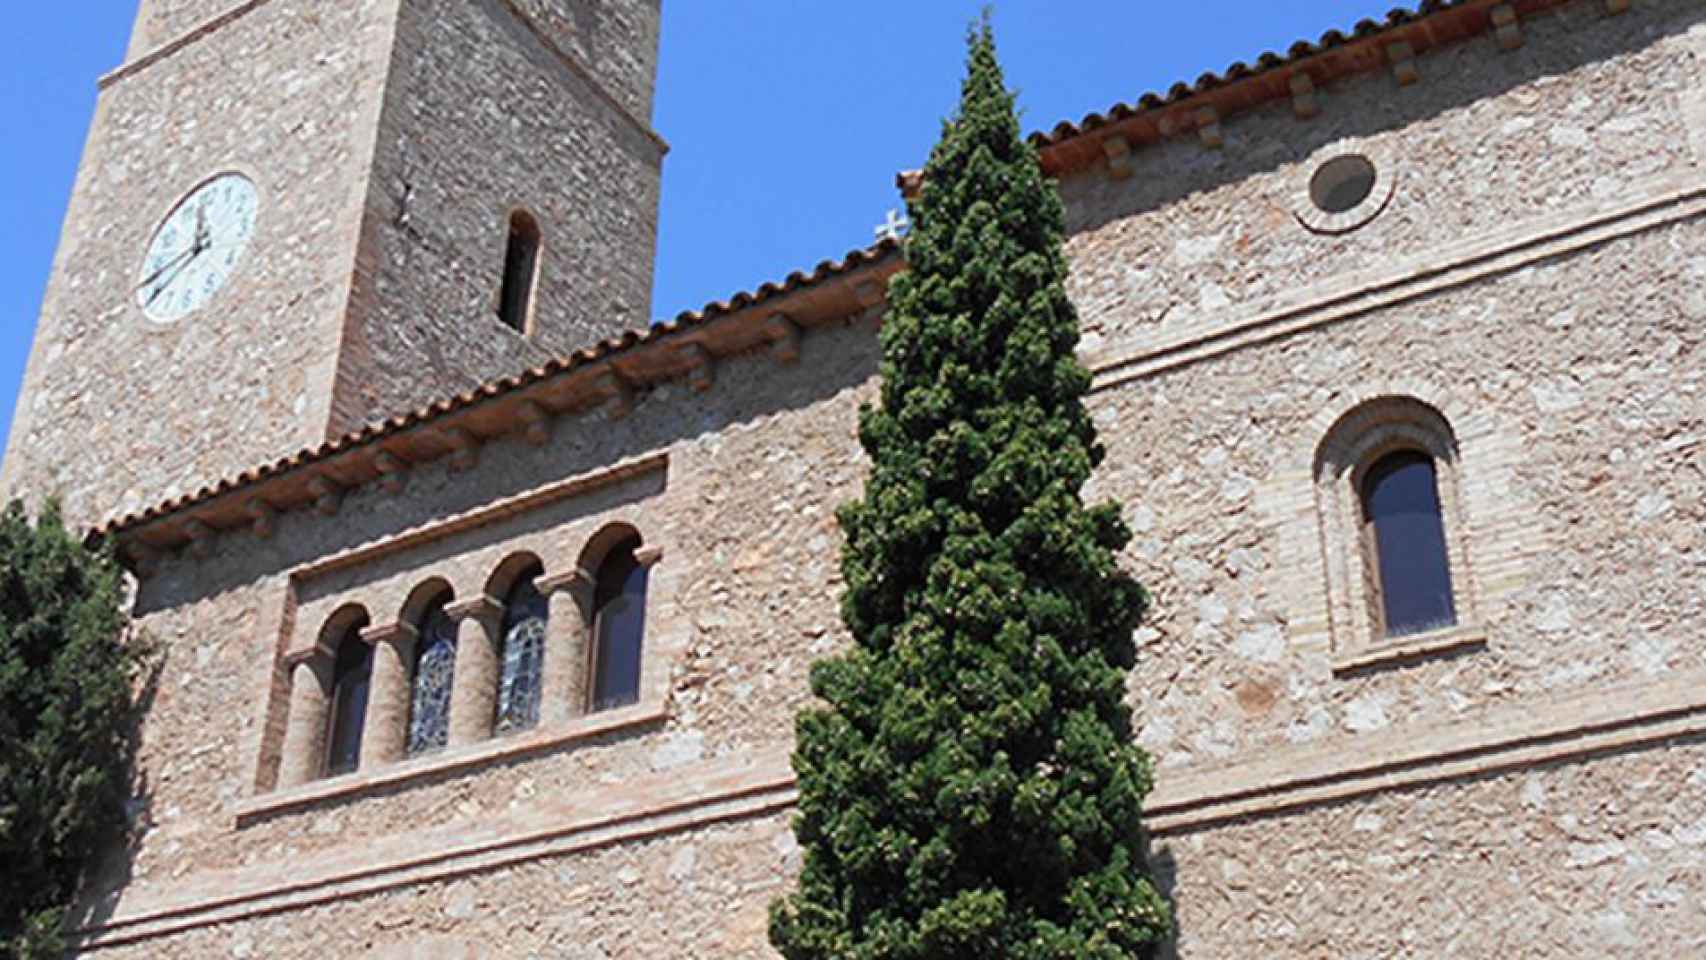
(194, 252)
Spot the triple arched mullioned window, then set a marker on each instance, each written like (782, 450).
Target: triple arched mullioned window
(451, 671)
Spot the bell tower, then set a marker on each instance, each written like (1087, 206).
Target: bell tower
(293, 218)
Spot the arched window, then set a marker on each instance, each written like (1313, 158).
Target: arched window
(521, 272)
(526, 613)
(435, 666)
(618, 625)
(1406, 535)
(352, 672)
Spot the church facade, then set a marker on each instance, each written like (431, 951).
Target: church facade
(486, 610)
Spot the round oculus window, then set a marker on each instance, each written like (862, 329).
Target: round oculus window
(1343, 183)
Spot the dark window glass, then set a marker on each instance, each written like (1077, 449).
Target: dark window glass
(351, 678)
(521, 267)
(435, 666)
(526, 613)
(619, 621)
(1401, 506)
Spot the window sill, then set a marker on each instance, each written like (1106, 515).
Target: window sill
(1439, 643)
(455, 760)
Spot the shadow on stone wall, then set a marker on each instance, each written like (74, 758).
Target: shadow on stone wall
(1260, 142)
(117, 866)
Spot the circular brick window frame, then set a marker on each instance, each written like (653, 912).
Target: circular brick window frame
(1317, 219)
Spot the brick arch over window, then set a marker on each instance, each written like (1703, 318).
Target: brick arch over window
(1362, 458)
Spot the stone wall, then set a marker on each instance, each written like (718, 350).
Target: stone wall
(482, 118)
(119, 412)
(1528, 790)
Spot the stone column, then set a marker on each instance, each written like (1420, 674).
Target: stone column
(304, 755)
(474, 685)
(568, 650)
(385, 731)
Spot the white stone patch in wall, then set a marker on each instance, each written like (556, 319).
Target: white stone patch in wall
(1366, 713)
(1211, 610)
(679, 750)
(1262, 643)
(1562, 320)
(1534, 794)
(1584, 855)
(1369, 823)
(682, 865)
(1653, 506)
(1652, 653)
(1553, 614)
(1612, 928)
(1213, 297)
(1691, 836)
(1202, 248)
(1236, 488)
(1574, 138)
(1313, 726)
(1517, 125)
(1141, 519)
(1556, 396)
(1157, 733)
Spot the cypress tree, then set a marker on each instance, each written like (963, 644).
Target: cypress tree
(970, 788)
(67, 709)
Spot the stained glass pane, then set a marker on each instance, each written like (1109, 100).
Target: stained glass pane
(435, 666)
(526, 614)
(1401, 500)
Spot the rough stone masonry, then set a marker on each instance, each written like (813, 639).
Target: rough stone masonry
(1515, 291)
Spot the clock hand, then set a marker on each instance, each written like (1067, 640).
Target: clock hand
(169, 264)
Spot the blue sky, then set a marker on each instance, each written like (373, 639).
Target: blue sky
(787, 119)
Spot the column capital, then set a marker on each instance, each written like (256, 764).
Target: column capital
(306, 655)
(569, 582)
(648, 556)
(398, 632)
(476, 606)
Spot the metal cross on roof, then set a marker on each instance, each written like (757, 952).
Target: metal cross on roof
(895, 228)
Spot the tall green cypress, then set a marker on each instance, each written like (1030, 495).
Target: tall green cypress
(971, 788)
(68, 706)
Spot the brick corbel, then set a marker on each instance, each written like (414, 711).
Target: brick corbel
(618, 394)
(867, 292)
(201, 537)
(702, 367)
(1208, 128)
(1615, 7)
(328, 495)
(784, 336)
(264, 515)
(464, 447)
(1304, 103)
(1118, 151)
(393, 471)
(144, 559)
(1507, 29)
(535, 423)
(1402, 56)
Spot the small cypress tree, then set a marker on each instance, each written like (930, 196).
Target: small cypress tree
(68, 682)
(971, 789)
